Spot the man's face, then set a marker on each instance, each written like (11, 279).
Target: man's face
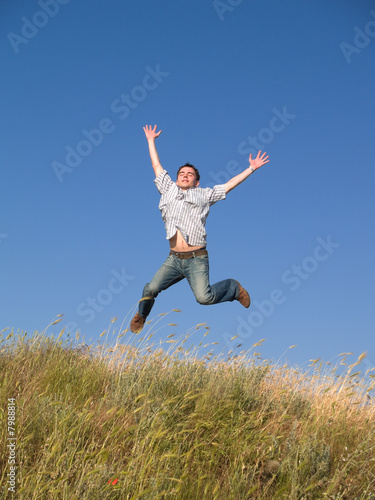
(187, 178)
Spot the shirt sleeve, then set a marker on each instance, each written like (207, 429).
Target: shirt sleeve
(216, 193)
(163, 182)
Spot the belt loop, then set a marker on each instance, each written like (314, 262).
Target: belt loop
(194, 255)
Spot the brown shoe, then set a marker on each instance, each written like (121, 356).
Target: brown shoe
(244, 297)
(137, 323)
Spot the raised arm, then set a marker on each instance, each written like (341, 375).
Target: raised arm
(151, 135)
(254, 165)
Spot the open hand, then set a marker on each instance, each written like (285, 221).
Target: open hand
(151, 132)
(258, 161)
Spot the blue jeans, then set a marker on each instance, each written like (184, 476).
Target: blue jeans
(196, 271)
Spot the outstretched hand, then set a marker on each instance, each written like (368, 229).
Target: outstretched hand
(258, 161)
(151, 132)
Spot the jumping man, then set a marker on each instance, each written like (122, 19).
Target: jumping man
(184, 206)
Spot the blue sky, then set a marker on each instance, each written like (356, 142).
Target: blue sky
(80, 230)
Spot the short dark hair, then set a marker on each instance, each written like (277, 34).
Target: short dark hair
(197, 174)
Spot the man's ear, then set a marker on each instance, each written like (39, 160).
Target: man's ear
(197, 184)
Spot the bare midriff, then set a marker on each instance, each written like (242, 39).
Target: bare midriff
(178, 244)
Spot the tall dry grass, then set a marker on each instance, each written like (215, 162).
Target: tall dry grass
(127, 419)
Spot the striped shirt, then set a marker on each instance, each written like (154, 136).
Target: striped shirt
(186, 210)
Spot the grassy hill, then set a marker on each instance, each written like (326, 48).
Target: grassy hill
(142, 422)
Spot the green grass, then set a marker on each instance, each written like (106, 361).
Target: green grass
(169, 423)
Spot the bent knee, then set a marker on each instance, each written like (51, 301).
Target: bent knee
(204, 300)
(150, 291)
